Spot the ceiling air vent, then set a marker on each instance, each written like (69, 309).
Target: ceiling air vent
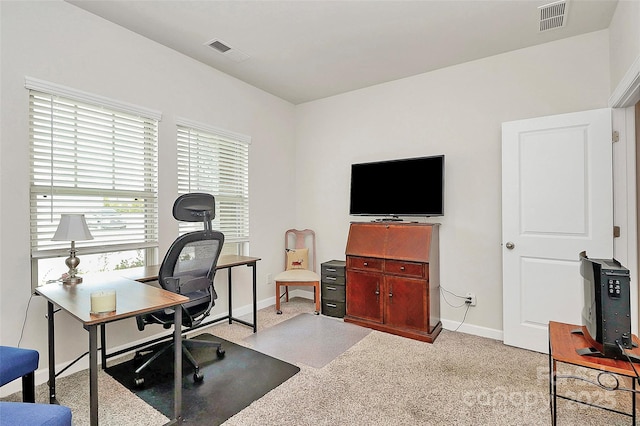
(553, 15)
(224, 49)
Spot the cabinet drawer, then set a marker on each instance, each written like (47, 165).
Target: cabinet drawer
(365, 263)
(333, 309)
(332, 279)
(407, 269)
(332, 292)
(333, 268)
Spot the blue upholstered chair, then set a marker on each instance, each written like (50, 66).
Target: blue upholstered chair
(16, 363)
(21, 414)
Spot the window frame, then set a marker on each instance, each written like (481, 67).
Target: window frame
(229, 151)
(137, 128)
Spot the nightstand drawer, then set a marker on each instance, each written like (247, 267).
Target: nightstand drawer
(333, 268)
(332, 279)
(333, 309)
(331, 292)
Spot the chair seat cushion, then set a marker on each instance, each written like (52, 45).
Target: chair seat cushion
(297, 275)
(26, 414)
(16, 362)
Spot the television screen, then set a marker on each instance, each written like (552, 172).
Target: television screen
(406, 187)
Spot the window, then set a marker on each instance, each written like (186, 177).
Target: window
(98, 157)
(217, 162)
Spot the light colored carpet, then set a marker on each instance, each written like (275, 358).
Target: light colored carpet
(309, 339)
(388, 380)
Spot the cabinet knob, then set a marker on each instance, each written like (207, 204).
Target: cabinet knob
(366, 263)
(330, 278)
(402, 268)
(330, 288)
(330, 270)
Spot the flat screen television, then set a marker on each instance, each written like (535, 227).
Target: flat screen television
(404, 187)
(606, 314)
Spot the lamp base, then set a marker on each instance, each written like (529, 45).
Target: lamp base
(72, 280)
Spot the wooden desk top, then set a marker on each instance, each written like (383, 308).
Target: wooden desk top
(132, 298)
(563, 345)
(150, 273)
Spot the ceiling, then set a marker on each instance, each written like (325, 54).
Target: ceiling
(302, 50)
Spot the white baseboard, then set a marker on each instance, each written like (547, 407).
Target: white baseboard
(476, 330)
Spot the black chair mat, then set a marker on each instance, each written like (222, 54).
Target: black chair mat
(230, 384)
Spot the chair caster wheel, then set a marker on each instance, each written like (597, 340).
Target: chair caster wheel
(220, 353)
(138, 382)
(198, 377)
(279, 312)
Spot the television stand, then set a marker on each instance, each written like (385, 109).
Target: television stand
(563, 346)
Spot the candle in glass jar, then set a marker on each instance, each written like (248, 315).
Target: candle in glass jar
(103, 301)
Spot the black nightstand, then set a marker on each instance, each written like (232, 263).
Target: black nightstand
(333, 288)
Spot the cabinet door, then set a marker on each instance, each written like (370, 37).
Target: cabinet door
(364, 295)
(406, 303)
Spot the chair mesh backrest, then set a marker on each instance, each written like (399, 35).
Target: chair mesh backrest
(306, 238)
(189, 269)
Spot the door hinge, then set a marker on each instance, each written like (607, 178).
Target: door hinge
(616, 136)
(616, 232)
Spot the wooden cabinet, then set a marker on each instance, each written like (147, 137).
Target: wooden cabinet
(392, 278)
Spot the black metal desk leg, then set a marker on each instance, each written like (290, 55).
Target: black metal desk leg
(103, 345)
(93, 374)
(633, 399)
(230, 304)
(552, 386)
(255, 298)
(554, 378)
(177, 369)
(52, 354)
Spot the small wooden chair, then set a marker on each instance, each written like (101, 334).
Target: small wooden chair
(300, 265)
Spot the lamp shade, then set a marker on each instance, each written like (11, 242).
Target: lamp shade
(72, 227)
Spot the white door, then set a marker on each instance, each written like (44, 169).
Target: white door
(556, 202)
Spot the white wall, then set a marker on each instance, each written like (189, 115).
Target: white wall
(458, 112)
(60, 43)
(624, 39)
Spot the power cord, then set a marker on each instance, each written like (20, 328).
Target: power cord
(26, 312)
(624, 352)
(444, 290)
(465, 303)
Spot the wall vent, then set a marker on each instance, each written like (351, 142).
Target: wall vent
(553, 15)
(224, 49)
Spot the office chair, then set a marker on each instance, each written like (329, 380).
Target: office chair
(300, 265)
(188, 269)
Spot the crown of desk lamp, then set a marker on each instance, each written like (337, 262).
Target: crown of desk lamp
(72, 227)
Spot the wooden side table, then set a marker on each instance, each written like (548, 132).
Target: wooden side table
(563, 344)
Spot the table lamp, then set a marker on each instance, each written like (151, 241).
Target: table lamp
(72, 227)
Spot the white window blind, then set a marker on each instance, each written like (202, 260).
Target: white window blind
(216, 162)
(92, 159)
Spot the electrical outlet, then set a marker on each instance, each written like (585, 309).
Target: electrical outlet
(269, 279)
(471, 299)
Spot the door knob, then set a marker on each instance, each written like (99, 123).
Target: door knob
(510, 245)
